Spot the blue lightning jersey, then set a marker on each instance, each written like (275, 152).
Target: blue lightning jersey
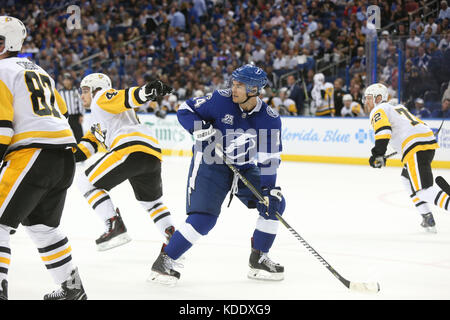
(249, 138)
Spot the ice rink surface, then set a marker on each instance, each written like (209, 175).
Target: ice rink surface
(358, 218)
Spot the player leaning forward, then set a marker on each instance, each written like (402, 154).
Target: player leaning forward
(133, 155)
(38, 163)
(249, 130)
(416, 142)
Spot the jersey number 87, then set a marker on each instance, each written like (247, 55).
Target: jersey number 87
(38, 86)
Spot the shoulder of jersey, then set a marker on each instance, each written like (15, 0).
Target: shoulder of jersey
(11, 67)
(271, 112)
(98, 95)
(382, 106)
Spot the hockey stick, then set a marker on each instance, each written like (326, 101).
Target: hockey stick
(365, 287)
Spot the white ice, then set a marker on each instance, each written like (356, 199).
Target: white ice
(358, 218)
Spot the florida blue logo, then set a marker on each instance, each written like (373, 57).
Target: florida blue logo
(361, 136)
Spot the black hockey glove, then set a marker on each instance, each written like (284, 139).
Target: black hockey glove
(377, 161)
(276, 201)
(154, 89)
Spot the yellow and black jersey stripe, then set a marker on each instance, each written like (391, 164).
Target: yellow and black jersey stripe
(328, 111)
(117, 156)
(117, 101)
(418, 142)
(6, 118)
(62, 106)
(381, 125)
(87, 147)
(42, 139)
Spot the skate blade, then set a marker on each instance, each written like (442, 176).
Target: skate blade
(114, 242)
(258, 274)
(430, 229)
(162, 279)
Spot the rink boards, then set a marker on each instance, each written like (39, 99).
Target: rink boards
(327, 140)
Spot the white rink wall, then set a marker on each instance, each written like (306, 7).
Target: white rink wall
(329, 140)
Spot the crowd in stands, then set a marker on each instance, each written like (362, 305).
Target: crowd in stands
(193, 45)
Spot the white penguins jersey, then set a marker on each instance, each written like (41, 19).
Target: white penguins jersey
(323, 96)
(407, 133)
(31, 110)
(114, 110)
(354, 110)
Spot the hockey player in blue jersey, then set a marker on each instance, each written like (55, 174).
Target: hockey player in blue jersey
(249, 131)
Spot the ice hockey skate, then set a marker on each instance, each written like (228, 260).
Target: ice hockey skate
(4, 290)
(71, 289)
(115, 235)
(428, 223)
(263, 268)
(163, 272)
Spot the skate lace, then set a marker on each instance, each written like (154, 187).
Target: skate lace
(267, 261)
(108, 225)
(59, 293)
(169, 263)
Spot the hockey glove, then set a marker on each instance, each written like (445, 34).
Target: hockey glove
(203, 134)
(377, 161)
(99, 134)
(276, 201)
(154, 89)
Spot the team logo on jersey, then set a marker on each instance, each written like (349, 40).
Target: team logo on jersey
(224, 92)
(228, 119)
(271, 112)
(27, 65)
(240, 146)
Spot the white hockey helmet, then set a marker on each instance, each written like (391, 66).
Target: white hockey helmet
(198, 93)
(172, 98)
(13, 32)
(347, 97)
(394, 101)
(96, 81)
(375, 90)
(319, 78)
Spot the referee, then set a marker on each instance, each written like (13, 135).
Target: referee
(74, 106)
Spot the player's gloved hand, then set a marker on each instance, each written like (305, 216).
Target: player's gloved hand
(161, 113)
(154, 89)
(276, 201)
(377, 161)
(100, 135)
(206, 132)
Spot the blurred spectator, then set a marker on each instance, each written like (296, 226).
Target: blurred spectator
(413, 41)
(195, 45)
(419, 109)
(431, 25)
(357, 68)
(444, 12)
(283, 104)
(422, 59)
(296, 93)
(444, 112)
(417, 24)
(338, 94)
(351, 108)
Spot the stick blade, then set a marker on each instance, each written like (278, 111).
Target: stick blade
(365, 287)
